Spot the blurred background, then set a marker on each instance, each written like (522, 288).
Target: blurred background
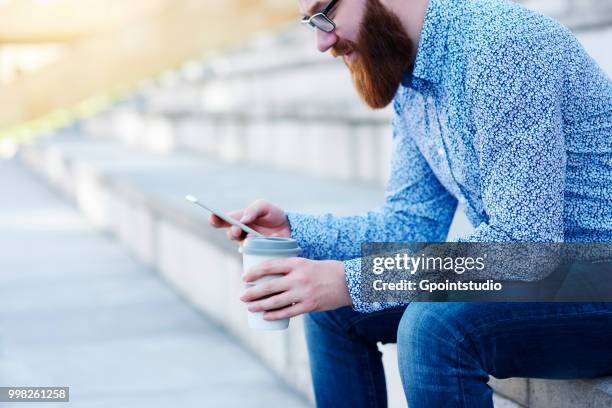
(111, 112)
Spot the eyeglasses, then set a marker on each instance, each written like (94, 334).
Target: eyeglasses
(321, 20)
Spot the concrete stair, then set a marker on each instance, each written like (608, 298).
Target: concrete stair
(253, 106)
(138, 197)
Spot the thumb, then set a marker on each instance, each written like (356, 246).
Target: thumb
(248, 217)
(252, 213)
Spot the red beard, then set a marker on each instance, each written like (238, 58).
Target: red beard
(383, 54)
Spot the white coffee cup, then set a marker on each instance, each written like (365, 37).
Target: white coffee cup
(257, 250)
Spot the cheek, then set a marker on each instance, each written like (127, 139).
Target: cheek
(347, 31)
(349, 19)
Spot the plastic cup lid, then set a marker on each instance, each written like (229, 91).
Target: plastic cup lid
(271, 246)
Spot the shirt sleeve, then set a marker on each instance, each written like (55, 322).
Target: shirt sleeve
(515, 95)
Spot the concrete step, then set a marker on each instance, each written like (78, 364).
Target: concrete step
(576, 14)
(270, 70)
(138, 196)
(537, 393)
(295, 78)
(348, 147)
(327, 83)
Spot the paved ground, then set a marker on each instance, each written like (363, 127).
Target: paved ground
(76, 310)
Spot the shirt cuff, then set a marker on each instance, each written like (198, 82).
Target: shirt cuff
(313, 233)
(352, 273)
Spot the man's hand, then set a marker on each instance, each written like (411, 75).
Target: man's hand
(262, 216)
(307, 286)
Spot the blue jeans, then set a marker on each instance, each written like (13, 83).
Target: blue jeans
(447, 351)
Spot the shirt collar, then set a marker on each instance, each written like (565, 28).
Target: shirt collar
(432, 50)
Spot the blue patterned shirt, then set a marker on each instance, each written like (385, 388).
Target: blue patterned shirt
(505, 114)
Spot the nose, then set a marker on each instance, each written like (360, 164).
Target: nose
(325, 40)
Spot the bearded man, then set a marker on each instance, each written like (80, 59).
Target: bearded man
(497, 109)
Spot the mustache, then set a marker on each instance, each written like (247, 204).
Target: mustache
(342, 47)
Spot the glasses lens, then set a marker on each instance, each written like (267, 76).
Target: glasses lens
(305, 21)
(322, 23)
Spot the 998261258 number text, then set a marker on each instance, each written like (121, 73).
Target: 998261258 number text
(34, 394)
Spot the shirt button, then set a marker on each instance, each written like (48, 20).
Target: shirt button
(376, 306)
(462, 200)
(441, 152)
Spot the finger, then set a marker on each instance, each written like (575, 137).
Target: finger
(265, 289)
(256, 210)
(231, 236)
(285, 313)
(236, 233)
(277, 302)
(218, 222)
(277, 267)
